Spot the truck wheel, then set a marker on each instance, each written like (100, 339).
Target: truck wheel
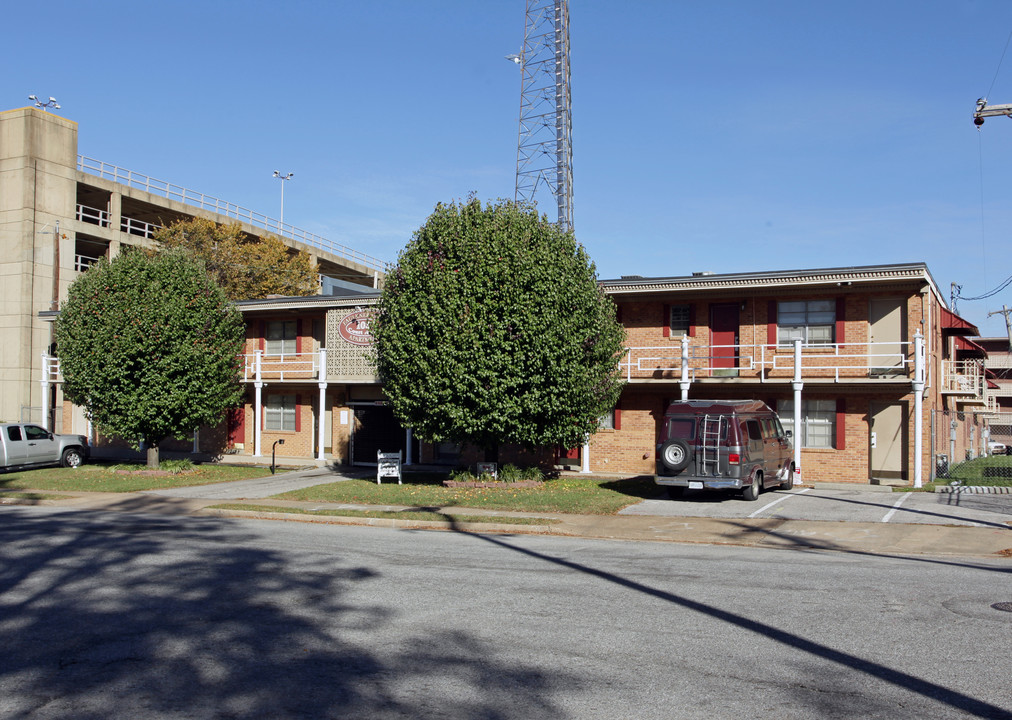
(675, 455)
(72, 458)
(751, 491)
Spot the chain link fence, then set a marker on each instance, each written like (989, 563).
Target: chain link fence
(958, 438)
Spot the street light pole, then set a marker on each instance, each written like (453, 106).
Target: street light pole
(282, 178)
(44, 105)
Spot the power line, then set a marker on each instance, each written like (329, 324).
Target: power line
(1005, 284)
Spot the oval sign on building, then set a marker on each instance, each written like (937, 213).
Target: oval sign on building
(355, 327)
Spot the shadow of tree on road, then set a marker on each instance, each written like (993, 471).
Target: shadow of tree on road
(101, 617)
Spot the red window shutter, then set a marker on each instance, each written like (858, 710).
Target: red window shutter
(618, 313)
(618, 418)
(841, 430)
(298, 338)
(263, 334)
(692, 321)
(298, 413)
(841, 306)
(666, 322)
(771, 323)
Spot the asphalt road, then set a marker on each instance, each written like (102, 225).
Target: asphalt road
(124, 615)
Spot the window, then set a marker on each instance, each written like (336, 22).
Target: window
(34, 432)
(280, 337)
(281, 412)
(811, 321)
(680, 320)
(607, 421)
(818, 422)
(14, 433)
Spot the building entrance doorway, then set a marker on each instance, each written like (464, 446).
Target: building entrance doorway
(374, 429)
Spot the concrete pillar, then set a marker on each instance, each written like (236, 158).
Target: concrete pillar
(918, 406)
(684, 384)
(258, 386)
(798, 385)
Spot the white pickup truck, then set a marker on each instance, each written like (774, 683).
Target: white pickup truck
(23, 445)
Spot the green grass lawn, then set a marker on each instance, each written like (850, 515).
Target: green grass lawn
(392, 514)
(102, 477)
(584, 495)
(973, 472)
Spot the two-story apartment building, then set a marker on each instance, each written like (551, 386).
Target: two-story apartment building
(833, 350)
(861, 363)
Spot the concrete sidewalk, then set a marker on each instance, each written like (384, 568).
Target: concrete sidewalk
(849, 537)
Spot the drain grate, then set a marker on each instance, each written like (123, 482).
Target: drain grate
(1003, 606)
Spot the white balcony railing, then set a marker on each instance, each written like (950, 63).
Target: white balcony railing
(93, 216)
(293, 366)
(221, 207)
(964, 378)
(763, 362)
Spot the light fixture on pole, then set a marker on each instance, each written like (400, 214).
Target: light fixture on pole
(51, 103)
(282, 178)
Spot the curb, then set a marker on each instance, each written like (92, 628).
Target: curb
(978, 489)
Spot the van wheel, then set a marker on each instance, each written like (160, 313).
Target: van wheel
(675, 492)
(72, 458)
(751, 491)
(788, 482)
(675, 455)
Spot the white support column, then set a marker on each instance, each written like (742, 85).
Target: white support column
(408, 459)
(322, 424)
(918, 406)
(798, 385)
(45, 392)
(196, 440)
(684, 384)
(257, 399)
(322, 375)
(585, 457)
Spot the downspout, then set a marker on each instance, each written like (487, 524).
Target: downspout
(797, 384)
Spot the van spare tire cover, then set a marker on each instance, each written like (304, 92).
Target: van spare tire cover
(675, 454)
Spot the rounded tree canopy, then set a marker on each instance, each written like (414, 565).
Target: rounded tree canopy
(492, 329)
(149, 345)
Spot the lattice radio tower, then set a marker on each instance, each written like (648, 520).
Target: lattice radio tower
(545, 146)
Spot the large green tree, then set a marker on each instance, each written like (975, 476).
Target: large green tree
(246, 267)
(149, 346)
(492, 329)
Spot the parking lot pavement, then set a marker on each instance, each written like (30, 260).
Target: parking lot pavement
(839, 504)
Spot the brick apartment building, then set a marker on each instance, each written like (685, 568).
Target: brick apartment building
(842, 340)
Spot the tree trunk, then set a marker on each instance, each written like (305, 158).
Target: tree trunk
(152, 457)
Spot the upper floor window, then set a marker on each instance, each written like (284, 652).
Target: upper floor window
(680, 320)
(811, 321)
(280, 337)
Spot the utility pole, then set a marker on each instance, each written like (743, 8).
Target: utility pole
(545, 146)
(985, 111)
(1008, 323)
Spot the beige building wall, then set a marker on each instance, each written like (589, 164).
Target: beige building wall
(38, 157)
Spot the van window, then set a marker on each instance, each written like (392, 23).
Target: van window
(755, 436)
(14, 433)
(684, 428)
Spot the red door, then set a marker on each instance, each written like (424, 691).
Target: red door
(724, 338)
(236, 426)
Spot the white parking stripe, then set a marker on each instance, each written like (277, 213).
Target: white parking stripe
(896, 506)
(778, 500)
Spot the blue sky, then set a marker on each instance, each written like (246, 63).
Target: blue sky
(726, 135)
